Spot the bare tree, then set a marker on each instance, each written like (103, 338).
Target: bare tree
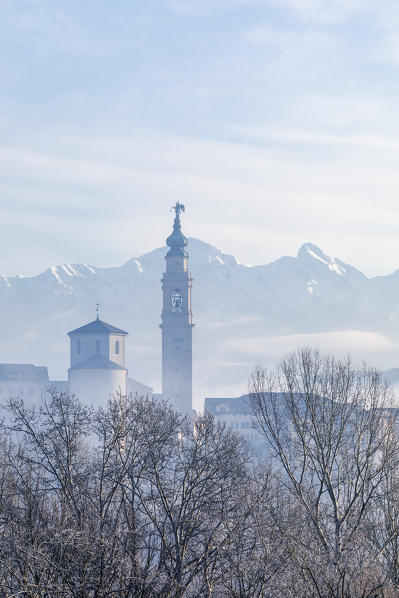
(333, 440)
(136, 501)
(383, 525)
(131, 501)
(190, 498)
(256, 559)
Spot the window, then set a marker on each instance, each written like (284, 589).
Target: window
(177, 300)
(78, 347)
(1, 390)
(245, 425)
(117, 347)
(20, 390)
(98, 346)
(234, 425)
(31, 390)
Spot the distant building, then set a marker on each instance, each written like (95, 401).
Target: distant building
(97, 369)
(23, 380)
(97, 364)
(237, 414)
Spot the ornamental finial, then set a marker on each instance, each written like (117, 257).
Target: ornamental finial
(177, 241)
(178, 208)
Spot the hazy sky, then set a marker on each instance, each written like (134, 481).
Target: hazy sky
(275, 121)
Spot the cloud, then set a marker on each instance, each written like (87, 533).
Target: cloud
(269, 119)
(386, 51)
(375, 348)
(287, 39)
(258, 199)
(308, 10)
(332, 11)
(227, 370)
(189, 7)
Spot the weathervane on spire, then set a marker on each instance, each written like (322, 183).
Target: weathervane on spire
(97, 309)
(178, 208)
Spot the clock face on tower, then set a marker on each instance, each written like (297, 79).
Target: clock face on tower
(177, 300)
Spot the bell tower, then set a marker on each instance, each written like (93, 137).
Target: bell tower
(177, 321)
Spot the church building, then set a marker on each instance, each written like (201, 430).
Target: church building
(97, 350)
(97, 361)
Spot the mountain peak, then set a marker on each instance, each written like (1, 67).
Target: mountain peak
(312, 253)
(310, 249)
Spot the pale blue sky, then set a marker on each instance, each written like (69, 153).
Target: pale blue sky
(275, 121)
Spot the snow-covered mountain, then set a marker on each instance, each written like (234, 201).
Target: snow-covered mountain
(244, 314)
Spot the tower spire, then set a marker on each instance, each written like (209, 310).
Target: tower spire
(177, 321)
(177, 241)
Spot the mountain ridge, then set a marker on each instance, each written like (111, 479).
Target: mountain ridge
(234, 304)
(306, 249)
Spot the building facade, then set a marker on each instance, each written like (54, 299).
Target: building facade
(237, 414)
(23, 380)
(177, 322)
(97, 362)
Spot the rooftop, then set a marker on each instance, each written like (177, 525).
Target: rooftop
(98, 362)
(98, 327)
(23, 371)
(233, 405)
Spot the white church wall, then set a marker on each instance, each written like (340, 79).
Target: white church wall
(139, 389)
(96, 386)
(116, 349)
(84, 346)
